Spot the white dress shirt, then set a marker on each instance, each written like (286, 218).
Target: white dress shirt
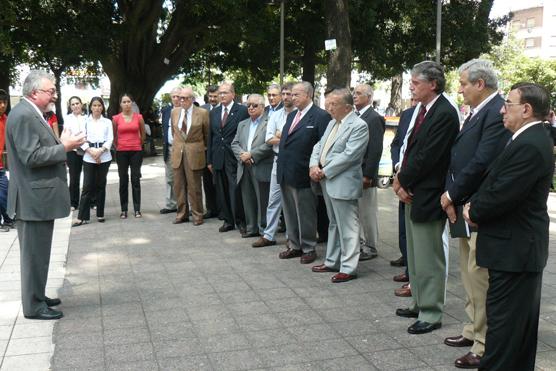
(98, 131)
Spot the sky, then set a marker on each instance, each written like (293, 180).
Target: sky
(503, 7)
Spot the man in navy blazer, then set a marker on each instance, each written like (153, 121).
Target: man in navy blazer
(419, 184)
(170, 200)
(512, 243)
(395, 147)
(303, 129)
(479, 142)
(221, 159)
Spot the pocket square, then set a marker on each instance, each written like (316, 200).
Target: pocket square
(310, 127)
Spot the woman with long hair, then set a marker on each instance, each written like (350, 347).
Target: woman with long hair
(75, 121)
(96, 161)
(129, 136)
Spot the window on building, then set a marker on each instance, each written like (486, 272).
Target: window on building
(530, 22)
(530, 43)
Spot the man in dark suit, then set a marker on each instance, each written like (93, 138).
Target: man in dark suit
(221, 160)
(38, 191)
(395, 147)
(419, 184)
(478, 143)
(255, 159)
(510, 212)
(213, 210)
(302, 131)
(167, 141)
(368, 202)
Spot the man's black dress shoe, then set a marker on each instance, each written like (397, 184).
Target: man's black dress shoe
(167, 211)
(52, 302)
(406, 312)
(225, 228)
(398, 262)
(209, 214)
(249, 235)
(47, 314)
(422, 327)
(366, 256)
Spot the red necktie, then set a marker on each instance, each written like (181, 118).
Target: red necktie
(296, 120)
(224, 118)
(418, 121)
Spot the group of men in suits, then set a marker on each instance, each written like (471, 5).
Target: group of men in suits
(495, 173)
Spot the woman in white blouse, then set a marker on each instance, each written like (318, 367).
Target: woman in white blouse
(96, 161)
(75, 121)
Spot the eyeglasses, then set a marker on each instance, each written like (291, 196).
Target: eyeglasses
(175, 97)
(254, 105)
(508, 104)
(184, 98)
(51, 91)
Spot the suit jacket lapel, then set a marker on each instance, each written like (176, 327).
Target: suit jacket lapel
(42, 121)
(262, 123)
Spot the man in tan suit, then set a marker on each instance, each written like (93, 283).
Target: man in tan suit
(190, 125)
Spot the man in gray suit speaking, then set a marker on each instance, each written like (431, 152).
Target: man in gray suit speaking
(38, 191)
(336, 164)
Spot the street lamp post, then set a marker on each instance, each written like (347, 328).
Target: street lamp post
(282, 12)
(438, 28)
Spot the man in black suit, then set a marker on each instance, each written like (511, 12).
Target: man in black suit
(510, 212)
(302, 131)
(167, 140)
(221, 159)
(208, 183)
(395, 147)
(419, 184)
(368, 203)
(478, 143)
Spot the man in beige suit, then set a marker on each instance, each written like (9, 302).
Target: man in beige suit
(190, 125)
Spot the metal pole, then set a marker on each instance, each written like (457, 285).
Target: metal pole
(282, 11)
(438, 28)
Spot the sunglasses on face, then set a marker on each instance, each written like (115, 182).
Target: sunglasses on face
(254, 105)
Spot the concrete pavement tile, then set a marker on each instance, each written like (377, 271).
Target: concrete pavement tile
(352, 363)
(267, 338)
(437, 354)
(236, 360)
(166, 317)
(299, 318)
(77, 357)
(126, 336)
(195, 363)
(287, 305)
(310, 332)
(276, 294)
(120, 297)
(155, 305)
(6, 332)
(125, 353)
(235, 297)
(389, 360)
(178, 348)
(122, 309)
(80, 311)
(172, 331)
(78, 325)
(340, 314)
(254, 308)
(123, 321)
(25, 328)
(201, 300)
(208, 312)
(225, 343)
(286, 354)
(263, 321)
(330, 348)
(373, 342)
(226, 286)
(546, 360)
(215, 327)
(40, 344)
(324, 302)
(78, 340)
(355, 328)
(28, 362)
(134, 366)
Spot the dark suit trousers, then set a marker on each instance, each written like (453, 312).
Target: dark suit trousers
(228, 195)
(94, 188)
(300, 212)
(402, 242)
(75, 164)
(210, 192)
(130, 160)
(322, 219)
(35, 242)
(512, 309)
(251, 200)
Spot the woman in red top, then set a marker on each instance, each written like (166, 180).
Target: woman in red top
(52, 121)
(129, 136)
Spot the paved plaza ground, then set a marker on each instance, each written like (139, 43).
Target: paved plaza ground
(144, 294)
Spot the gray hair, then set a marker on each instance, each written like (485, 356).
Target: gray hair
(344, 94)
(258, 97)
(274, 86)
(33, 81)
(367, 89)
(430, 71)
(480, 69)
(307, 87)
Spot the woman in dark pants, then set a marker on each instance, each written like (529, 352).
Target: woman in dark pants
(75, 121)
(129, 136)
(96, 161)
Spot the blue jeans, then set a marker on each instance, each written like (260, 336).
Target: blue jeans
(4, 197)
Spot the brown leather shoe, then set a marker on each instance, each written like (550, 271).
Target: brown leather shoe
(308, 258)
(342, 277)
(398, 262)
(180, 221)
(404, 291)
(458, 341)
(322, 268)
(198, 223)
(402, 277)
(290, 253)
(470, 360)
(262, 242)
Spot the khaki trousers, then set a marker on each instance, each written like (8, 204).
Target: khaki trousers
(475, 282)
(188, 182)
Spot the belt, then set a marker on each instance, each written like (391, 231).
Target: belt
(96, 145)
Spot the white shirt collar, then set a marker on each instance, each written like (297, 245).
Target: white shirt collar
(483, 103)
(363, 110)
(431, 103)
(523, 128)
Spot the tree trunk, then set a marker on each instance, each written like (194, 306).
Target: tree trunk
(59, 109)
(309, 60)
(339, 61)
(396, 93)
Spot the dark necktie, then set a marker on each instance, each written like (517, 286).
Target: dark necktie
(418, 121)
(225, 117)
(358, 113)
(184, 124)
(467, 120)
